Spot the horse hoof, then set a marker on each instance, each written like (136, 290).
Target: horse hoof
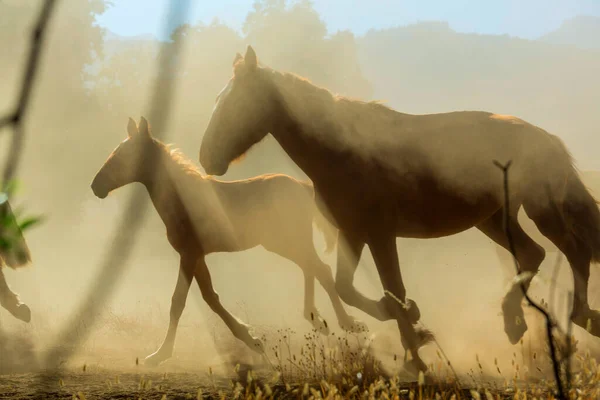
(412, 311)
(514, 328)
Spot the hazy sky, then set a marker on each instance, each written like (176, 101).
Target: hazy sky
(523, 18)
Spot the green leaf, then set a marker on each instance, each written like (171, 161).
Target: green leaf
(29, 222)
(4, 244)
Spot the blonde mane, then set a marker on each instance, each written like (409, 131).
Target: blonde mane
(179, 159)
(322, 112)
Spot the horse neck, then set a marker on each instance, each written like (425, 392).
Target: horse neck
(302, 127)
(162, 186)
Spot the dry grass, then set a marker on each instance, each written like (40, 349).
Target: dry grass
(300, 365)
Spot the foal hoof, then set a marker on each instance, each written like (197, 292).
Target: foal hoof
(319, 324)
(154, 359)
(413, 367)
(256, 345)
(354, 326)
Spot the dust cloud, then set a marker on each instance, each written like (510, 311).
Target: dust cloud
(91, 82)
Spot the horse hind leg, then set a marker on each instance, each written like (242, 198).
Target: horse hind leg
(529, 257)
(580, 209)
(10, 301)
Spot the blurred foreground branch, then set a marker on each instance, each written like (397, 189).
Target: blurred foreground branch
(119, 249)
(16, 118)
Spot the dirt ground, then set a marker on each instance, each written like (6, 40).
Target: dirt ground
(104, 385)
(110, 366)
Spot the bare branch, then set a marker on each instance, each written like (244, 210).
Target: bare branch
(549, 322)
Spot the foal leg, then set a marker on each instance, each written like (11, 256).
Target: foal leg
(239, 329)
(311, 314)
(10, 301)
(313, 267)
(325, 277)
(384, 251)
(529, 256)
(165, 351)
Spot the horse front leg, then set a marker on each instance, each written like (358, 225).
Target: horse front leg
(349, 251)
(165, 351)
(239, 329)
(11, 302)
(384, 251)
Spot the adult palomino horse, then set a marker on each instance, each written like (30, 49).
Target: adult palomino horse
(380, 174)
(203, 215)
(14, 253)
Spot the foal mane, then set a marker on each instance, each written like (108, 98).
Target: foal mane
(179, 159)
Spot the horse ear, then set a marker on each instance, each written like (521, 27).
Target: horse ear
(237, 58)
(132, 128)
(250, 57)
(144, 127)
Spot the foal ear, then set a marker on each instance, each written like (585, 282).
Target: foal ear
(237, 58)
(250, 58)
(144, 128)
(132, 128)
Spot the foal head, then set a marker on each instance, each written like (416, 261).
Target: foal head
(243, 115)
(128, 162)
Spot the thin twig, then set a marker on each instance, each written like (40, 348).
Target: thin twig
(16, 118)
(549, 322)
(569, 344)
(554, 279)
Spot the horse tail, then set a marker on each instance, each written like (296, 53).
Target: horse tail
(582, 216)
(329, 231)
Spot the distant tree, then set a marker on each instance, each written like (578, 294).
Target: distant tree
(291, 36)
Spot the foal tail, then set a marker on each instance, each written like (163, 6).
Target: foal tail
(329, 231)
